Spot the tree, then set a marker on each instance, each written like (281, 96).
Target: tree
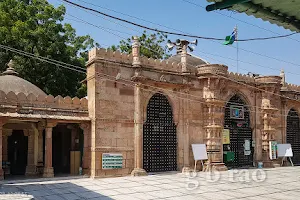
(152, 45)
(35, 26)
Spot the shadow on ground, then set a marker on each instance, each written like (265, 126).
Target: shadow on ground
(59, 189)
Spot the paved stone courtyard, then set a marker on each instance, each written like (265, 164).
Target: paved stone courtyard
(278, 183)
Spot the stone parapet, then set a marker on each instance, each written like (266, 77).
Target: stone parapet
(241, 77)
(268, 79)
(212, 69)
(17, 105)
(117, 56)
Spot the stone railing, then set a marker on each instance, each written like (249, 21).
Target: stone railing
(47, 101)
(117, 56)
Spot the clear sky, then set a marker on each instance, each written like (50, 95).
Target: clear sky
(185, 17)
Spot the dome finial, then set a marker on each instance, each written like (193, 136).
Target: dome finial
(10, 70)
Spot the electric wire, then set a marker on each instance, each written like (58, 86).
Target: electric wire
(255, 53)
(229, 58)
(237, 19)
(132, 83)
(168, 32)
(243, 83)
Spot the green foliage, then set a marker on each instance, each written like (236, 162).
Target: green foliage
(152, 46)
(35, 26)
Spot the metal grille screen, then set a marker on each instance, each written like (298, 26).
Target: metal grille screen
(159, 136)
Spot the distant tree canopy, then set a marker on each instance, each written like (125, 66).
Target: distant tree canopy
(152, 45)
(35, 26)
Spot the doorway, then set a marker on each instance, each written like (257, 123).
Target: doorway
(293, 134)
(237, 120)
(159, 136)
(61, 146)
(17, 149)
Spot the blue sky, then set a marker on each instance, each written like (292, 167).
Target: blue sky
(189, 18)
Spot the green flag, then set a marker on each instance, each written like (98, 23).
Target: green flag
(231, 38)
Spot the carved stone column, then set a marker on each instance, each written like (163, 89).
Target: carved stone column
(5, 134)
(41, 127)
(186, 138)
(48, 169)
(269, 130)
(138, 133)
(214, 88)
(86, 127)
(270, 86)
(213, 135)
(31, 168)
(2, 122)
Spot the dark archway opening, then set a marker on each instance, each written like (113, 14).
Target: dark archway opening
(159, 136)
(61, 147)
(17, 149)
(237, 120)
(293, 135)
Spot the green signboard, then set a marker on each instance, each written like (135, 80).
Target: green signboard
(112, 161)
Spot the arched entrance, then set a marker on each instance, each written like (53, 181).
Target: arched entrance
(159, 136)
(237, 120)
(293, 134)
(17, 149)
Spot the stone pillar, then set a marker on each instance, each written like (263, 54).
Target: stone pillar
(186, 138)
(136, 52)
(270, 85)
(138, 133)
(40, 145)
(86, 147)
(31, 168)
(268, 132)
(74, 136)
(184, 57)
(93, 148)
(213, 135)
(5, 134)
(2, 122)
(48, 169)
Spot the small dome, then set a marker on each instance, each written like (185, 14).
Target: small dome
(191, 60)
(10, 82)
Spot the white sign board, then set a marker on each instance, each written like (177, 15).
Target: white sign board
(284, 150)
(199, 151)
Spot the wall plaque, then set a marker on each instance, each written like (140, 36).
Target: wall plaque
(112, 161)
(236, 112)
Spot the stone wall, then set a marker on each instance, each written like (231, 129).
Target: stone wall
(198, 102)
(111, 108)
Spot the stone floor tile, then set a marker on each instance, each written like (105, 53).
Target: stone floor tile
(124, 197)
(216, 196)
(70, 196)
(169, 186)
(147, 188)
(165, 193)
(125, 190)
(143, 196)
(187, 197)
(107, 192)
(53, 197)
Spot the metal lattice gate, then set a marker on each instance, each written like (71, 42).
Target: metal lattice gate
(159, 136)
(293, 134)
(240, 131)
